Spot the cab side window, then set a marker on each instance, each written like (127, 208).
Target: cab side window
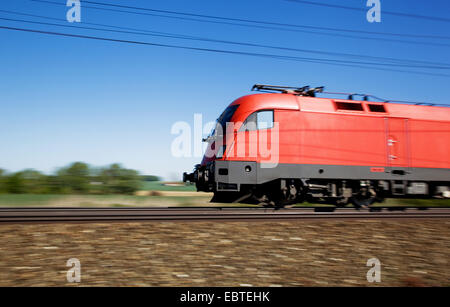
(264, 119)
(258, 121)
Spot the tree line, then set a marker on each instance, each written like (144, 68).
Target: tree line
(76, 178)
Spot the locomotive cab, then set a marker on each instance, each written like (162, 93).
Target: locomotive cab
(241, 143)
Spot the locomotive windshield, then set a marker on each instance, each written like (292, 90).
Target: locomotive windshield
(223, 119)
(226, 116)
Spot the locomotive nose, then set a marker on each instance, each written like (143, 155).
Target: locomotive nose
(192, 177)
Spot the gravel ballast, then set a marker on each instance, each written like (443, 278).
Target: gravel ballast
(294, 253)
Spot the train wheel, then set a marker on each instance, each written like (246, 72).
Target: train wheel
(272, 196)
(364, 198)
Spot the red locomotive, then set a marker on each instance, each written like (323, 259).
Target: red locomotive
(321, 149)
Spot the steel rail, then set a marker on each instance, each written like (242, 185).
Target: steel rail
(62, 215)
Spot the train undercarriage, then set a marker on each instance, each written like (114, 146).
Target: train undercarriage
(364, 193)
(288, 191)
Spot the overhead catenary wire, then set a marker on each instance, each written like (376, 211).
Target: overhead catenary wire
(259, 21)
(270, 55)
(408, 63)
(282, 57)
(254, 25)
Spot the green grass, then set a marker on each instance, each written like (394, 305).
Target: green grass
(159, 186)
(32, 200)
(415, 202)
(28, 199)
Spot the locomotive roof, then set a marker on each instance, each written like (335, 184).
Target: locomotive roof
(290, 101)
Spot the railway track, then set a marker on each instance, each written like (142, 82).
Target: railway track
(63, 215)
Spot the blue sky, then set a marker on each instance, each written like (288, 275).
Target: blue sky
(69, 99)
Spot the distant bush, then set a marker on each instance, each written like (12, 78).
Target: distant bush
(29, 181)
(2, 181)
(15, 184)
(118, 180)
(77, 178)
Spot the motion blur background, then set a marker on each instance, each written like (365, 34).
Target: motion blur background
(66, 99)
